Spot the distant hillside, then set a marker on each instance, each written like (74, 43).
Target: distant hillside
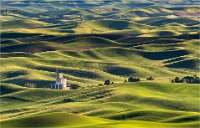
(10, 42)
(16, 24)
(163, 20)
(92, 41)
(110, 26)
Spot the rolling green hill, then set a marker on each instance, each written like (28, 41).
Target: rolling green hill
(77, 44)
(10, 42)
(58, 120)
(91, 42)
(95, 59)
(110, 26)
(31, 48)
(116, 24)
(115, 106)
(164, 20)
(15, 24)
(10, 88)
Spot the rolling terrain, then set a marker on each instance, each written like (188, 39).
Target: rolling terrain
(138, 104)
(96, 58)
(91, 42)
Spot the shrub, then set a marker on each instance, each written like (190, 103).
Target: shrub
(100, 85)
(107, 82)
(187, 79)
(150, 78)
(82, 87)
(177, 80)
(172, 81)
(133, 79)
(191, 79)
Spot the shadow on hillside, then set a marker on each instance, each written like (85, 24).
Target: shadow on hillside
(164, 55)
(189, 64)
(121, 71)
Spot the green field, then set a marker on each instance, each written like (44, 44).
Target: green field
(91, 60)
(121, 105)
(91, 42)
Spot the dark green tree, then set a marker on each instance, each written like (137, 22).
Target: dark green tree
(107, 82)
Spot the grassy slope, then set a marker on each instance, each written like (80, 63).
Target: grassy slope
(157, 21)
(10, 88)
(110, 26)
(15, 24)
(95, 65)
(125, 105)
(10, 42)
(92, 41)
(130, 104)
(54, 120)
(78, 44)
(20, 25)
(144, 27)
(148, 27)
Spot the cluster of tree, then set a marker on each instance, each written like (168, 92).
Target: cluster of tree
(30, 85)
(130, 79)
(187, 79)
(100, 85)
(133, 79)
(108, 82)
(150, 78)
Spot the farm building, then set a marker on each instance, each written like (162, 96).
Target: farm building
(61, 82)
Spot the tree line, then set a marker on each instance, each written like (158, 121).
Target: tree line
(187, 79)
